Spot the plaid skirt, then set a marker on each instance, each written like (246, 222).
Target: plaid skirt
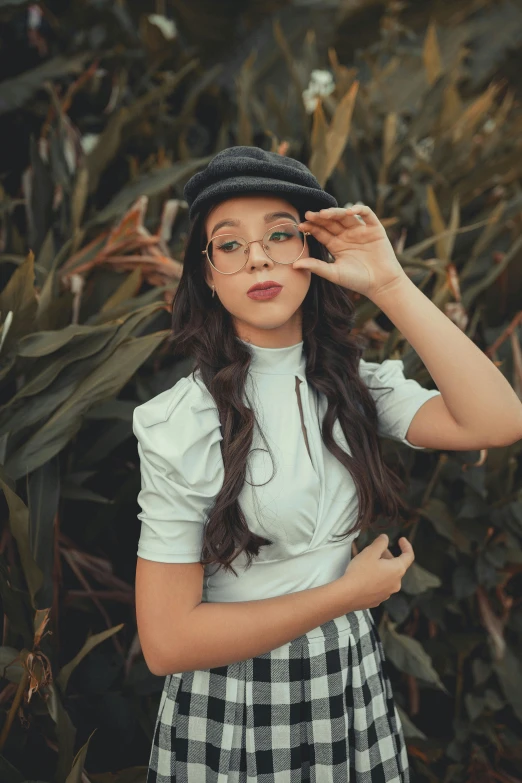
(319, 709)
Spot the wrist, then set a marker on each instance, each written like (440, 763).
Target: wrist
(345, 592)
(391, 291)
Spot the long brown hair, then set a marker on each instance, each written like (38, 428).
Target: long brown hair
(203, 329)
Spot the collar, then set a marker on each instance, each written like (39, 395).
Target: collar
(290, 360)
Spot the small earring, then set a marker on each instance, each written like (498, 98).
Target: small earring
(213, 291)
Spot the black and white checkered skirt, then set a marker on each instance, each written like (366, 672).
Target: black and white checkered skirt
(317, 709)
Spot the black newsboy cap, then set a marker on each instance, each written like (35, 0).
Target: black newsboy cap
(242, 169)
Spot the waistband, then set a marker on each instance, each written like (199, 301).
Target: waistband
(269, 579)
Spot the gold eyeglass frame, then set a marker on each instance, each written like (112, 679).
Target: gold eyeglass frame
(247, 249)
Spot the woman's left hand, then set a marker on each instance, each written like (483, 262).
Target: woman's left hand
(364, 257)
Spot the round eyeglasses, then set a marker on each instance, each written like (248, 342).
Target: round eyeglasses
(283, 244)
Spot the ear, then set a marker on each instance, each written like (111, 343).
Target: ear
(208, 275)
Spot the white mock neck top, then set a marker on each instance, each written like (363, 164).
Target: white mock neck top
(298, 499)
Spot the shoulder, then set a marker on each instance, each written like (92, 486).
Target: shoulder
(389, 375)
(397, 397)
(187, 408)
(381, 371)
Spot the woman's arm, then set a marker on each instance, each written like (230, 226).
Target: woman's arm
(179, 633)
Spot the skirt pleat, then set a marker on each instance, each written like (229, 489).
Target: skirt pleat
(319, 709)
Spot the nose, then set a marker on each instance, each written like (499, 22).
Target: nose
(257, 256)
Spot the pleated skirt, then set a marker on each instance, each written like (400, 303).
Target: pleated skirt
(319, 709)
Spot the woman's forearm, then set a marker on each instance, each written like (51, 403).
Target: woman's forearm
(218, 634)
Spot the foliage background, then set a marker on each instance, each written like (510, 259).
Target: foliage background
(106, 109)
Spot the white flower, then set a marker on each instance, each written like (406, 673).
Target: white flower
(310, 101)
(89, 141)
(167, 26)
(321, 83)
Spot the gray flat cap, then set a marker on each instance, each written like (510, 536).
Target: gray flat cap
(241, 169)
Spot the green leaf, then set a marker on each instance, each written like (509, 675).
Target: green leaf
(474, 705)
(19, 524)
(19, 297)
(110, 139)
(104, 382)
(486, 281)
(409, 656)
(90, 644)
(417, 580)
(463, 581)
(147, 185)
(10, 665)
(125, 291)
(76, 773)
(65, 730)
(68, 372)
(73, 491)
(43, 496)
(409, 728)
(509, 673)
(46, 302)
(16, 603)
(125, 308)
(15, 92)
(438, 514)
(47, 342)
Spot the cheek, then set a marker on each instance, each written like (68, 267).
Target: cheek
(232, 293)
(299, 282)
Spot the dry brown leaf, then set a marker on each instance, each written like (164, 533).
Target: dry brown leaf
(437, 221)
(431, 54)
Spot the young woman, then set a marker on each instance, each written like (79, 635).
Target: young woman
(262, 466)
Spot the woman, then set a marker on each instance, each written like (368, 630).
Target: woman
(260, 469)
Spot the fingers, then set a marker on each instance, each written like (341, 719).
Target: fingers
(407, 556)
(326, 224)
(405, 545)
(335, 223)
(314, 220)
(361, 212)
(348, 216)
(381, 543)
(321, 233)
(364, 211)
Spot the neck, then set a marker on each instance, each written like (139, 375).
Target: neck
(289, 334)
(285, 360)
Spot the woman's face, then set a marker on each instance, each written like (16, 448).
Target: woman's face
(269, 323)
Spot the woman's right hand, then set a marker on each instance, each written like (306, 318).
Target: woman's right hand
(374, 573)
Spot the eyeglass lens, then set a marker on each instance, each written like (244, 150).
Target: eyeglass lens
(283, 243)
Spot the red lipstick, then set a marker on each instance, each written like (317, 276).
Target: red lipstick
(265, 290)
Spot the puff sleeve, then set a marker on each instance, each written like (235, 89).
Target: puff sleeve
(396, 407)
(178, 434)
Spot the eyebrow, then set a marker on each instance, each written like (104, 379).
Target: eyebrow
(267, 218)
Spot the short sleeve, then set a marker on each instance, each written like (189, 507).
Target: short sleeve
(178, 434)
(397, 406)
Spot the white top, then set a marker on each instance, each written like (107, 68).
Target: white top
(299, 508)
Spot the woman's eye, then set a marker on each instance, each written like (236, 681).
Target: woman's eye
(280, 235)
(226, 246)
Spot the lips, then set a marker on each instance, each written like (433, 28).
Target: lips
(263, 286)
(264, 294)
